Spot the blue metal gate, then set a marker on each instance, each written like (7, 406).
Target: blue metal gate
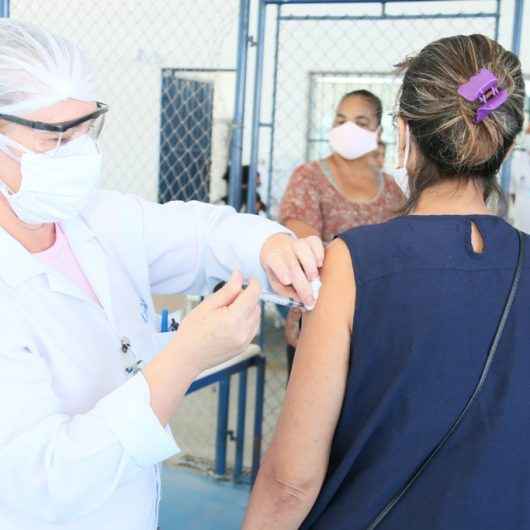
(185, 138)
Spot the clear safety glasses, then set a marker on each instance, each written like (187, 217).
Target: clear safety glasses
(48, 137)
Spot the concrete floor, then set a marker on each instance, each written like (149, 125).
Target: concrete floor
(193, 501)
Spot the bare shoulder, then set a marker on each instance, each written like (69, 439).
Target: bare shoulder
(337, 294)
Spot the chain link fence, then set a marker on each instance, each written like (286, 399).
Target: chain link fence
(167, 69)
(327, 51)
(314, 54)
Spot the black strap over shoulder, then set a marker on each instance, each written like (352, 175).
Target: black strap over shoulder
(480, 384)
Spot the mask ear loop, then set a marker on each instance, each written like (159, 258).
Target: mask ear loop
(407, 147)
(5, 190)
(6, 143)
(403, 165)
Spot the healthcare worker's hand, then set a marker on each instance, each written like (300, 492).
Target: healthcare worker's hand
(215, 331)
(292, 264)
(223, 325)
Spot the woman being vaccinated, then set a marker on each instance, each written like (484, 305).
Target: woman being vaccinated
(408, 405)
(345, 190)
(87, 385)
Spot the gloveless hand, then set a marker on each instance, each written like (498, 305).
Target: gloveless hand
(223, 325)
(291, 264)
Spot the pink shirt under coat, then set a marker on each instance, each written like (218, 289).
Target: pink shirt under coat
(61, 257)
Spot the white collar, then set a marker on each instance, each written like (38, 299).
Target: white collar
(18, 265)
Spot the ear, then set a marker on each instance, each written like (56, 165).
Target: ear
(400, 142)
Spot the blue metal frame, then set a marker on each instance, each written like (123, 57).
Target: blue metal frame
(301, 2)
(274, 96)
(258, 418)
(497, 18)
(257, 123)
(506, 173)
(4, 8)
(258, 74)
(256, 112)
(223, 377)
(434, 16)
(240, 429)
(236, 144)
(222, 425)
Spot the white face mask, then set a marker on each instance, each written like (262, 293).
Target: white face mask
(400, 174)
(56, 187)
(351, 141)
(526, 142)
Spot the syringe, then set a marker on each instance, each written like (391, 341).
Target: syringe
(267, 296)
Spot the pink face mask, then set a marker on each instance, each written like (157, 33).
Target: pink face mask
(351, 141)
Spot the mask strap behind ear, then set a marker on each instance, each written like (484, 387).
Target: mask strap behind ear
(407, 150)
(407, 146)
(7, 145)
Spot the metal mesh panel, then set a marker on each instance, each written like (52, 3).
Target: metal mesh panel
(167, 71)
(314, 55)
(133, 45)
(166, 68)
(319, 60)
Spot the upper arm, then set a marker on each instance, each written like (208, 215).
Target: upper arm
(300, 449)
(192, 246)
(301, 203)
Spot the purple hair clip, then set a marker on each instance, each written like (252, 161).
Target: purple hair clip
(483, 87)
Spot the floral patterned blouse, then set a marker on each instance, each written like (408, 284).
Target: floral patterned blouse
(312, 196)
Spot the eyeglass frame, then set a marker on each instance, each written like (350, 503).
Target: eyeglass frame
(61, 127)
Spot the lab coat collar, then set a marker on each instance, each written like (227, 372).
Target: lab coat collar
(17, 265)
(92, 258)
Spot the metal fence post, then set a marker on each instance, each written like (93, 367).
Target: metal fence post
(258, 417)
(4, 8)
(256, 112)
(236, 144)
(506, 174)
(240, 432)
(223, 407)
(273, 117)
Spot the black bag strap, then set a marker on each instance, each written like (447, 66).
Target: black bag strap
(485, 370)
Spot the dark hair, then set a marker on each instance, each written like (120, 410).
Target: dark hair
(371, 98)
(245, 173)
(450, 144)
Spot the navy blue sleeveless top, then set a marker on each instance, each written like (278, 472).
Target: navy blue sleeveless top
(426, 312)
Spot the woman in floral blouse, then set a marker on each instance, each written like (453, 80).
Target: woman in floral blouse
(345, 190)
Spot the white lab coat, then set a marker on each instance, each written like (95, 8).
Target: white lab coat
(79, 442)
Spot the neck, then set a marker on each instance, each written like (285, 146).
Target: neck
(359, 167)
(452, 198)
(35, 238)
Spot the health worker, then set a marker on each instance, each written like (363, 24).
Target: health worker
(87, 385)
